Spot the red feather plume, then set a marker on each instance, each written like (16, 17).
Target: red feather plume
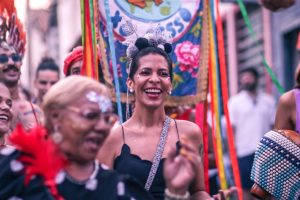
(7, 5)
(40, 155)
(16, 33)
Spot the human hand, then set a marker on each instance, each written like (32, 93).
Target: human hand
(223, 194)
(180, 167)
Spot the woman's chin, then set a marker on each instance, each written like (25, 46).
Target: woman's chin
(4, 128)
(154, 103)
(91, 147)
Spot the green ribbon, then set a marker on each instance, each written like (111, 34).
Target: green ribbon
(82, 21)
(91, 6)
(253, 35)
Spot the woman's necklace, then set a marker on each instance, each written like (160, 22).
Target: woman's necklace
(91, 183)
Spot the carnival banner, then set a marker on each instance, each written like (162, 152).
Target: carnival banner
(183, 19)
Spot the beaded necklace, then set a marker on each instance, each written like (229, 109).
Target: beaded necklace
(91, 183)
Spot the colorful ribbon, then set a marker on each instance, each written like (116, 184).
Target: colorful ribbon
(113, 58)
(224, 87)
(89, 40)
(200, 120)
(215, 100)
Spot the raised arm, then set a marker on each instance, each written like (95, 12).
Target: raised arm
(184, 171)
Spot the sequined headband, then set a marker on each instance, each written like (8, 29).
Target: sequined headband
(103, 102)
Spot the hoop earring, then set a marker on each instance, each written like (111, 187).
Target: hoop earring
(57, 137)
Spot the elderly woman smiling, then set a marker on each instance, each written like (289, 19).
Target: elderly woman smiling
(58, 161)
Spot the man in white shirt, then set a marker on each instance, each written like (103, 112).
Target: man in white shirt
(252, 115)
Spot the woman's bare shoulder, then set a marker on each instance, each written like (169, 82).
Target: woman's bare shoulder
(111, 147)
(189, 129)
(286, 111)
(287, 100)
(116, 135)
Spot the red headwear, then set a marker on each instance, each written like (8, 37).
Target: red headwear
(72, 57)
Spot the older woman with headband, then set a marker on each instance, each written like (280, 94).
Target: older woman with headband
(58, 161)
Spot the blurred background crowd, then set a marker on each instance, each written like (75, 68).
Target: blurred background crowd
(53, 28)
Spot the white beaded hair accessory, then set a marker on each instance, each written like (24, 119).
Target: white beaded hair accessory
(103, 101)
(153, 37)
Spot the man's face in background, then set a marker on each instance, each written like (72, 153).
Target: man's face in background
(75, 68)
(10, 65)
(248, 81)
(44, 80)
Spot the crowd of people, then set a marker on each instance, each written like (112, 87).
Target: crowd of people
(50, 144)
(67, 143)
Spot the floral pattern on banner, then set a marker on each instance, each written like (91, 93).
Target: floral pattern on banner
(188, 56)
(119, 69)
